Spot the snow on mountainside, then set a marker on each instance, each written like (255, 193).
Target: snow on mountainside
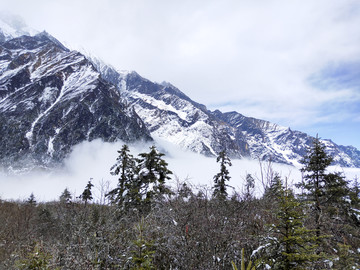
(171, 115)
(12, 26)
(51, 99)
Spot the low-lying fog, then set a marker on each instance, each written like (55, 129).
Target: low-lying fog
(93, 160)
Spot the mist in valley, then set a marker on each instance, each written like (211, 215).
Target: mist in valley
(93, 160)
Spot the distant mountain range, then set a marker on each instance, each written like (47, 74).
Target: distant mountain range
(52, 98)
(171, 115)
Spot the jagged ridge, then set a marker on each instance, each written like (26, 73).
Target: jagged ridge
(170, 114)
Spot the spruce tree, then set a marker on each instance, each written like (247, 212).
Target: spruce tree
(142, 252)
(125, 194)
(142, 180)
(249, 187)
(222, 177)
(31, 200)
(314, 180)
(274, 190)
(329, 195)
(87, 195)
(355, 194)
(346, 258)
(336, 196)
(65, 196)
(292, 245)
(152, 176)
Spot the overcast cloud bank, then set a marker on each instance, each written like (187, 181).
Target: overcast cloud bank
(93, 160)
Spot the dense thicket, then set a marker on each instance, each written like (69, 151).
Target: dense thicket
(187, 228)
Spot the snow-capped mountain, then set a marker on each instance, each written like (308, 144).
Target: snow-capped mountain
(171, 115)
(51, 99)
(13, 26)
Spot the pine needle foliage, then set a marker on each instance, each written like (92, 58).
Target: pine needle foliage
(142, 253)
(142, 181)
(125, 194)
(222, 177)
(293, 246)
(87, 194)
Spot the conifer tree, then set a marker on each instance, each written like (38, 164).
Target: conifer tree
(152, 175)
(315, 163)
(274, 190)
(346, 259)
(125, 193)
(327, 192)
(355, 194)
(87, 195)
(355, 202)
(36, 259)
(142, 180)
(31, 200)
(222, 177)
(65, 196)
(143, 253)
(249, 186)
(336, 196)
(292, 245)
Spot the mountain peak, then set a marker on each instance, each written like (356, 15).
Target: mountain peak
(12, 26)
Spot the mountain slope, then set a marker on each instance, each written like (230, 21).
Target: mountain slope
(171, 115)
(52, 99)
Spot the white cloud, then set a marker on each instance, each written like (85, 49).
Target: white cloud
(94, 160)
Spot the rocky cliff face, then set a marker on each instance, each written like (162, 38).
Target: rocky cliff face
(51, 99)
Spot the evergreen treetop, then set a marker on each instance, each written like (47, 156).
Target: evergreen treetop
(293, 246)
(222, 177)
(142, 180)
(87, 195)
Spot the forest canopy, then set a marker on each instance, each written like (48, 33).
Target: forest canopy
(144, 223)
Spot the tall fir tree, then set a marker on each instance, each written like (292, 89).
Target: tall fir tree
(330, 198)
(222, 177)
(142, 180)
(249, 187)
(315, 163)
(125, 194)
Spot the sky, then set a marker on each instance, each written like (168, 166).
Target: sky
(295, 63)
